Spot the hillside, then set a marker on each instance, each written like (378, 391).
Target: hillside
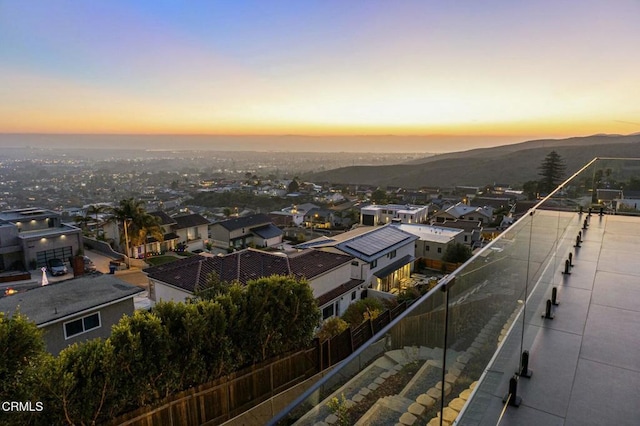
(511, 164)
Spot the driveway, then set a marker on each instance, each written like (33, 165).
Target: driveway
(100, 260)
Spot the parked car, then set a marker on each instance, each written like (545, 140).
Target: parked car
(56, 267)
(88, 264)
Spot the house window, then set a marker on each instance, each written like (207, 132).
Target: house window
(439, 249)
(373, 264)
(392, 254)
(465, 238)
(353, 295)
(81, 325)
(426, 248)
(354, 263)
(327, 312)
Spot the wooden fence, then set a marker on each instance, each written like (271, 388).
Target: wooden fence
(220, 400)
(439, 265)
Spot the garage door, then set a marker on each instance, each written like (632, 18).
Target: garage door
(62, 253)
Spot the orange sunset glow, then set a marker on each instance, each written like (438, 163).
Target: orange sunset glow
(503, 69)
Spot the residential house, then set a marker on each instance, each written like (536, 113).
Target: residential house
(501, 187)
(345, 214)
(630, 201)
(332, 197)
(282, 219)
(192, 230)
(382, 214)
(608, 196)
(328, 274)
(241, 232)
(412, 196)
(318, 218)
(497, 203)
(471, 230)
(170, 238)
(432, 241)
(384, 255)
(76, 310)
(292, 216)
(30, 237)
(468, 191)
(270, 190)
(464, 212)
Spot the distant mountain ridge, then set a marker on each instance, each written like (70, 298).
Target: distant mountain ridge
(511, 164)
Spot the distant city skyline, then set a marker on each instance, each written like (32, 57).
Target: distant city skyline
(466, 74)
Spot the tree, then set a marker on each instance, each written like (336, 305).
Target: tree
(199, 347)
(213, 288)
(531, 189)
(379, 196)
(137, 224)
(552, 172)
(123, 214)
(144, 226)
(82, 222)
(294, 186)
(142, 352)
(96, 210)
(21, 353)
(80, 385)
(457, 253)
(276, 314)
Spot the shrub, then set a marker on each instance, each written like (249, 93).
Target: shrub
(354, 315)
(408, 294)
(331, 327)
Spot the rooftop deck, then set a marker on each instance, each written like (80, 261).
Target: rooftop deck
(456, 355)
(585, 361)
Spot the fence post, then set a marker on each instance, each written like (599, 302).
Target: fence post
(351, 340)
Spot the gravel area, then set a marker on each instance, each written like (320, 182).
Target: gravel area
(426, 381)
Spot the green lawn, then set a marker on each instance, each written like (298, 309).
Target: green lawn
(185, 253)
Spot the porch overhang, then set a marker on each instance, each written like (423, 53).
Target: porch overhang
(389, 269)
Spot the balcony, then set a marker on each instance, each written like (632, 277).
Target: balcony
(561, 285)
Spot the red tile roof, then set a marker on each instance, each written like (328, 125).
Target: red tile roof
(337, 292)
(193, 272)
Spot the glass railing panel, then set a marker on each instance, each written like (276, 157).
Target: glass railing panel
(381, 380)
(487, 299)
(421, 335)
(544, 262)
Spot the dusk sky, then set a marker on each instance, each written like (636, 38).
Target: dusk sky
(507, 68)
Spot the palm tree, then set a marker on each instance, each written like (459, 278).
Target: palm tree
(96, 209)
(82, 222)
(126, 213)
(143, 227)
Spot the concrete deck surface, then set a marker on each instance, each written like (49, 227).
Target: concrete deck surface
(586, 361)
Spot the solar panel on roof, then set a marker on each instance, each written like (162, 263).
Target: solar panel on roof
(376, 241)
